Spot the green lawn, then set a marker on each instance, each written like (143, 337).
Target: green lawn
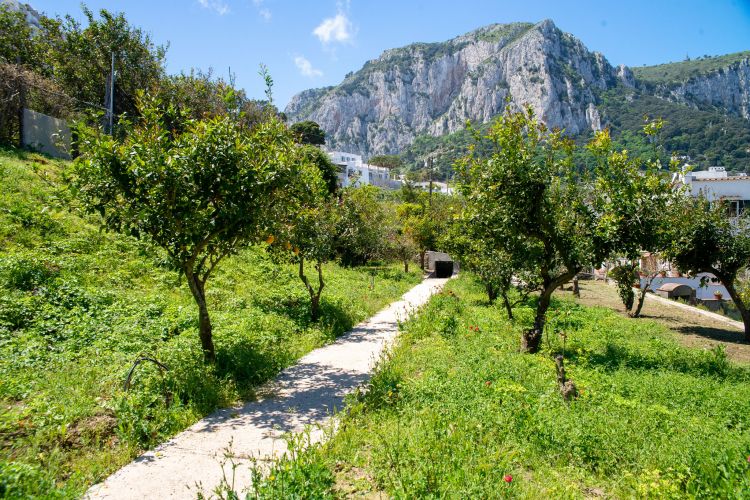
(456, 408)
(78, 306)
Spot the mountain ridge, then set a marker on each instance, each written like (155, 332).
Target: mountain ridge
(434, 88)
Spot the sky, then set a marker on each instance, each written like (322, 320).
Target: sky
(315, 43)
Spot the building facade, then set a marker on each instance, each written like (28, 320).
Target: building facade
(352, 171)
(715, 184)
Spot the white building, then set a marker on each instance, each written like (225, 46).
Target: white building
(716, 184)
(437, 187)
(354, 172)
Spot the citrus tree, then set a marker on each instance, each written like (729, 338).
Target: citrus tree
(704, 239)
(309, 234)
(634, 197)
(200, 189)
(527, 198)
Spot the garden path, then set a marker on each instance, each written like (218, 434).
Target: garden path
(306, 394)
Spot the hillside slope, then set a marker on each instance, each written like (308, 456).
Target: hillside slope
(78, 306)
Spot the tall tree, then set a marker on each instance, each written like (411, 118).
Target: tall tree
(81, 58)
(360, 235)
(635, 194)
(704, 239)
(309, 132)
(527, 198)
(309, 234)
(200, 189)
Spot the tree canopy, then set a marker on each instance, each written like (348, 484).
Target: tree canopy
(200, 189)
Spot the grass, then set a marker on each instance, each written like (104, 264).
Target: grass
(455, 411)
(78, 306)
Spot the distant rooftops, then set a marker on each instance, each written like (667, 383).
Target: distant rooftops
(714, 174)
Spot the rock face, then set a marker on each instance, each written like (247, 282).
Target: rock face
(434, 88)
(32, 16)
(725, 88)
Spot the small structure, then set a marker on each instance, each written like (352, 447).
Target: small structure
(676, 291)
(352, 171)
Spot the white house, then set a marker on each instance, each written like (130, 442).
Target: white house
(353, 171)
(716, 184)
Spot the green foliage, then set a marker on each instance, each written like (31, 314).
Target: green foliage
(528, 201)
(709, 136)
(81, 56)
(679, 72)
(451, 416)
(394, 162)
(200, 189)
(17, 43)
(78, 306)
(360, 231)
(200, 95)
(300, 473)
(328, 171)
(625, 276)
(703, 238)
(309, 132)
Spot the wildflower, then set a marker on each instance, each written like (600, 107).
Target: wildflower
(748, 459)
(508, 478)
(271, 238)
(488, 383)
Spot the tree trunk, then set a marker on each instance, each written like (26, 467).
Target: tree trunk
(205, 330)
(406, 265)
(508, 306)
(314, 294)
(491, 293)
(531, 339)
(642, 297)
(421, 259)
(744, 312)
(576, 289)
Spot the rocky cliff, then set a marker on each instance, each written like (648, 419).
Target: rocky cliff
(434, 88)
(720, 83)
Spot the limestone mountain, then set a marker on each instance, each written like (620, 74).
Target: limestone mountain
(435, 87)
(431, 89)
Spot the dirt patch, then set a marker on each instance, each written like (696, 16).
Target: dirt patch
(97, 428)
(689, 329)
(354, 482)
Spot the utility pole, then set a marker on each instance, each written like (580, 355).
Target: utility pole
(21, 100)
(430, 160)
(112, 95)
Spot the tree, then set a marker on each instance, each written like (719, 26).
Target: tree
(528, 198)
(18, 45)
(490, 262)
(310, 234)
(635, 194)
(360, 232)
(704, 239)
(328, 171)
(200, 189)
(309, 132)
(81, 58)
(401, 243)
(387, 161)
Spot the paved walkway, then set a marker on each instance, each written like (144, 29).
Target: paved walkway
(714, 316)
(305, 394)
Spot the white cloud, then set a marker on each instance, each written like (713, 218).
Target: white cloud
(218, 6)
(334, 29)
(263, 12)
(306, 68)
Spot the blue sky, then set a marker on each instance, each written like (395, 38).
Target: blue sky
(315, 43)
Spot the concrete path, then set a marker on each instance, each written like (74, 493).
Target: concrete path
(305, 394)
(714, 316)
